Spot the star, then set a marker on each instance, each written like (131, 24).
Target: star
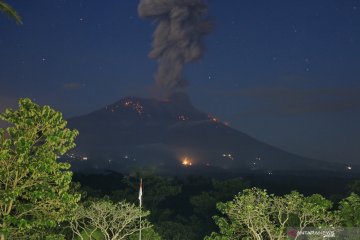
(43, 59)
(294, 28)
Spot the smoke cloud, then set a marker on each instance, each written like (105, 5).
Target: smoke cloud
(177, 40)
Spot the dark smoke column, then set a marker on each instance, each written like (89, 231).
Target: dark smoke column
(177, 40)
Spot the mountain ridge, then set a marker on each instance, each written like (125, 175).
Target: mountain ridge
(161, 133)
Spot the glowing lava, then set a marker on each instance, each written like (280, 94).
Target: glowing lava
(135, 105)
(186, 162)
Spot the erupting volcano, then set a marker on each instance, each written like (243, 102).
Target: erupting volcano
(136, 132)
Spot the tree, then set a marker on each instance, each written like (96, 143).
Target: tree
(8, 10)
(254, 214)
(147, 234)
(204, 204)
(354, 187)
(349, 210)
(171, 230)
(156, 188)
(34, 188)
(115, 221)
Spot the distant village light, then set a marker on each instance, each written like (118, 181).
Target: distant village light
(228, 155)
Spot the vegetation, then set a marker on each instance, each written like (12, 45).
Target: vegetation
(147, 234)
(39, 198)
(113, 220)
(160, 189)
(350, 210)
(255, 213)
(187, 213)
(204, 204)
(8, 10)
(34, 187)
(354, 187)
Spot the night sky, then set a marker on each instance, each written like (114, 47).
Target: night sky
(285, 71)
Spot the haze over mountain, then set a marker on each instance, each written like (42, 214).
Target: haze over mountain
(172, 135)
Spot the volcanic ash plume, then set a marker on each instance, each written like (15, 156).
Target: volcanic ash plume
(177, 40)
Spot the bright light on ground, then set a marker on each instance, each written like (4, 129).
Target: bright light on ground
(186, 162)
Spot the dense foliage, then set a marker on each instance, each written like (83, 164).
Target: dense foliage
(350, 210)
(34, 187)
(255, 213)
(110, 220)
(37, 197)
(187, 213)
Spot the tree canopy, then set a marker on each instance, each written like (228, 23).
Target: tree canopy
(114, 221)
(34, 187)
(255, 214)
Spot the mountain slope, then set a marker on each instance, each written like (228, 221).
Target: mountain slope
(172, 135)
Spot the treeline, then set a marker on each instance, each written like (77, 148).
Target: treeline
(194, 207)
(180, 208)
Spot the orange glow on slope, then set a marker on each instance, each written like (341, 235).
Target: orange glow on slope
(135, 105)
(186, 162)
